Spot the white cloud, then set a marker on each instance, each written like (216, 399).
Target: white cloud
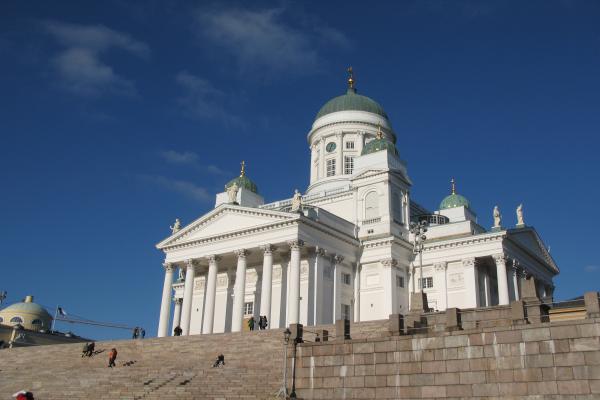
(263, 41)
(79, 65)
(175, 157)
(186, 188)
(591, 268)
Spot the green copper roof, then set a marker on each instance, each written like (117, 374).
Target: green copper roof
(243, 182)
(454, 200)
(378, 145)
(351, 101)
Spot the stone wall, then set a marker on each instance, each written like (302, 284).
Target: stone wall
(543, 360)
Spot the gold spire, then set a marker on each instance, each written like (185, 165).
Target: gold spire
(243, 171)
(453, 182)
(379, 133)
(350, 78)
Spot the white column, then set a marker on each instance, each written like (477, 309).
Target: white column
(360, 142)
(502, 279)
(211, 292)
(188, 292)
(340, 154)
(177, 314)
(356, 304)
(515, 278)
(440, 269)
(267, 282)
(319, 281)
(337, 304)
(471, 283)
(165, 304)
(294, 291)
(389, 286)
(322, 167)
(239, 291)
(487, 288)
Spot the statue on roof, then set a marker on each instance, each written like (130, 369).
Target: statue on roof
(296, 201)
(175, 227)
(520, 221)
(497, 217)
(232, 192)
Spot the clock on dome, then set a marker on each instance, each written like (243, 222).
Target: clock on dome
(330, 147)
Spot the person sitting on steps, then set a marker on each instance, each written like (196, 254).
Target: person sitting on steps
(220, 361)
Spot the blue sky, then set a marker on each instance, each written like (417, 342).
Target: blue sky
(116, 117)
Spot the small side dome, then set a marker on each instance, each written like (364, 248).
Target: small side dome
(454, 199)
(378, 144)
(243, 181)
(28, 314)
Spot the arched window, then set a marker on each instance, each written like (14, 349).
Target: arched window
(371, 205)
(397, 208)
(36, 321)
(1, 320)
(16, 320)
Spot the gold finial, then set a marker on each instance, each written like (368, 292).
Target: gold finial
(453, 182)
(350, 78)
(379, 133)
(243, 171)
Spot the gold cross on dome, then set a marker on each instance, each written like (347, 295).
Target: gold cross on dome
(243, 170)
(453, 182)
(350, 77)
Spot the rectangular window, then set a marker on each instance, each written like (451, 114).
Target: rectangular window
(349, 145)
(249, 308)
(346, 311)
(400, 281)
(348, 165)
(331, 167)
(428, 282)
(346, 278)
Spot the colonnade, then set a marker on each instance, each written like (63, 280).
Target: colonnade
(183, 309)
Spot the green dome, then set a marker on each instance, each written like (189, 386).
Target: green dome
(378, 145)
(454, 200)
(351, 101)
(243, 181)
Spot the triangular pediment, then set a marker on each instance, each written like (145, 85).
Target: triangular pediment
(224, 220)
(529, 239)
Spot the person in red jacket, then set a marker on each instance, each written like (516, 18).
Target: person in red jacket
(112, 356)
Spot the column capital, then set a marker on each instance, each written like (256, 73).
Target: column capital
(441, 266)
(468, 262)
(213, 258)
(267, 248)
(169, 267)
(389, 262)
(241, 253)
(499, 258)
(191, 263)
(319, 251)
(295, 244)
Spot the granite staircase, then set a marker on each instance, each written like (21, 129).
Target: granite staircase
(166, 368)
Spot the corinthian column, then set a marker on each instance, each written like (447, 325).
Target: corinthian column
(165, 304)
(294, 293)
(337, 259)
(177, 314)
(239, 291)
(515, 278)
(188, 292)
(502, 279)
(267, 282)
(440, 269)
(211, 291)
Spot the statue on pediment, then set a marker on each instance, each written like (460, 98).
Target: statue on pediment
(520, 221)
(296, 201)
(497, 217)
(175, 227)
(232, 192)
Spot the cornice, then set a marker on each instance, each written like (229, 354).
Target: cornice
(466, 241)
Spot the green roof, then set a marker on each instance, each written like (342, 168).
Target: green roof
(351, 101)
(454, 200)
(378, 145)
(243, 182)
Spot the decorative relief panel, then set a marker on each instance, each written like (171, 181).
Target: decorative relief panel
(276, 272)
(222, 280)
(199, 284)
(456, 279)
(372, 280)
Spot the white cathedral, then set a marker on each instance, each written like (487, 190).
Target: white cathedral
(343, 250)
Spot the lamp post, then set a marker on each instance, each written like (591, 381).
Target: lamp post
(283, 390)
(418, 230)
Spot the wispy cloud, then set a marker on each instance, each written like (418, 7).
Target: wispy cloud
(591, 268)
(191, 159)
(79, 65)
(202, 100)
(188, 189)
(266, 41)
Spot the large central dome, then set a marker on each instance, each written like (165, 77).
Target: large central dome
(351, 101)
